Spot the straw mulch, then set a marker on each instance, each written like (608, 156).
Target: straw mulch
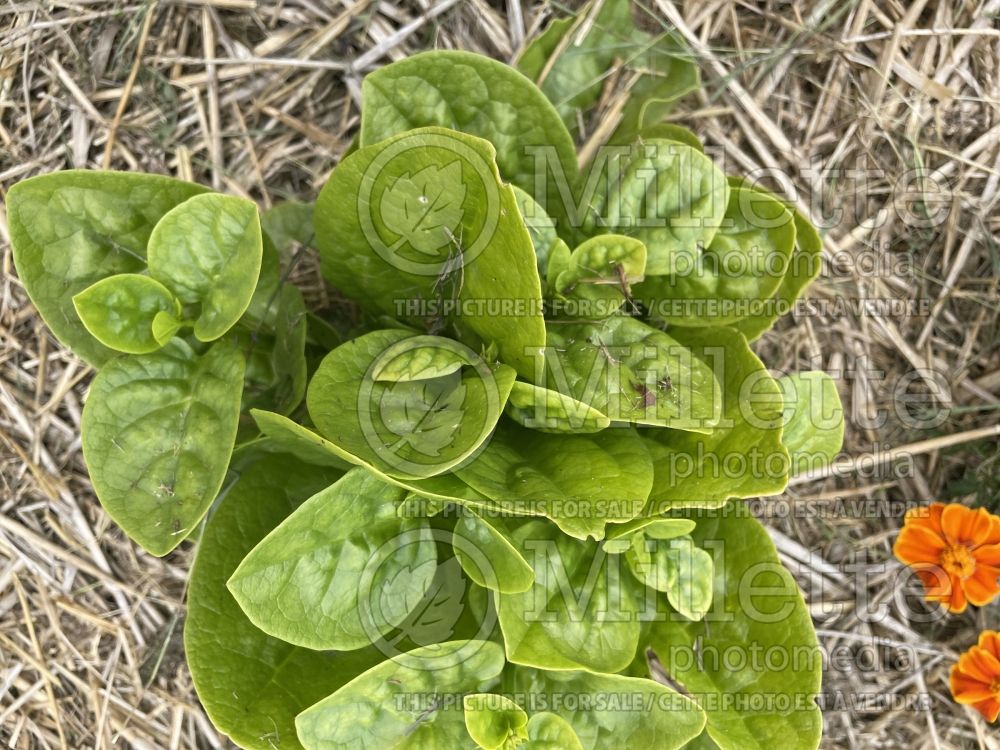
(259, 99)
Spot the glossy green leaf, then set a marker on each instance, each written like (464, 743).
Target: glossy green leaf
(423, 362)
(676, 567)
(758, 610)
(655, 528)
(340, 571)
(667, 131)
(262, 311)
(207, 251)
(598, 276)
(735, 275)
(157, 432)
(631, 372)
(488, 556)
(550, 411)
(547, 731)
(495, 722)
(581, 612)
(408, 429)
(541, 227)
(804, 266)
(529, 472)
(664, 193)
(252, 685)
(612, 711)
(289, 222)
(462, 259)
(71, 229)
(814, 420)
(120, 311)
(397, 705)
(303, 442)
(476, 95)
(743, 457)
(280, 381)
(164, 327)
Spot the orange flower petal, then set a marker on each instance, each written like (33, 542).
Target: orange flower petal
(979, 664)
(990, 640)
(981, 587)
(966, 691)
(918, 544)
(988, 554)
(990, 709)
(957, 603)
(962, 525)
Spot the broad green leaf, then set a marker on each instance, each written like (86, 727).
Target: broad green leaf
(488, 556)
(664, 193)
(611, 711)
(676, 567)
(71, 229)
(581, 482)
(341, 570)
(408, 429)
(423, 362)
(668, 73)
(541, 227)
(547, 731)
(207, 251)
(398, 705)
(804, 266)
(481, 253)
(667, 131)
(758, 610)
(280, 383)
(599, 276)
(656, 528)
(252, 685)
(288, 222)
(120, 311)
(743, 457)
(476, 95)
(735, 275)
(559, 261)
(550, 411)
(164, 327)
(306, 444)
(585, 48)
(581, 612)
(813, 431)
(157, 432)
(261, 312)
(495, 722)
(631, 372)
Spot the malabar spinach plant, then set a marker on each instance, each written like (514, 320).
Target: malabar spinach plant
(478, 512)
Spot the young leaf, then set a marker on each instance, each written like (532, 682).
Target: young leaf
(157, 432)
(744, 456)
(288, 222)
(252, 685)
(654, 716)
(550, 411)
(529, 472)
(599, 276)
(744, 265)
(475, 95)
(653, 527)
(300, 441)
(814, 420)
(164, 327)
(120, 312)
(411, 428)
(71, 229)
(631, 372)
(495, 722)
(398, 704)
(422, 362)
(582, 612)
(668, 195)
(804, 266)
(488, 556)
(548, 731)
(676, 567)
(483, 252)
(281, 383)
(541, 227)
(208, 251)
(758, 610)
(340, 571)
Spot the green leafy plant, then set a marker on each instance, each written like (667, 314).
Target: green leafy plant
(473, 518)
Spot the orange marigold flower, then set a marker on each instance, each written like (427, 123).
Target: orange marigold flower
(975, 680)
(956, 552)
